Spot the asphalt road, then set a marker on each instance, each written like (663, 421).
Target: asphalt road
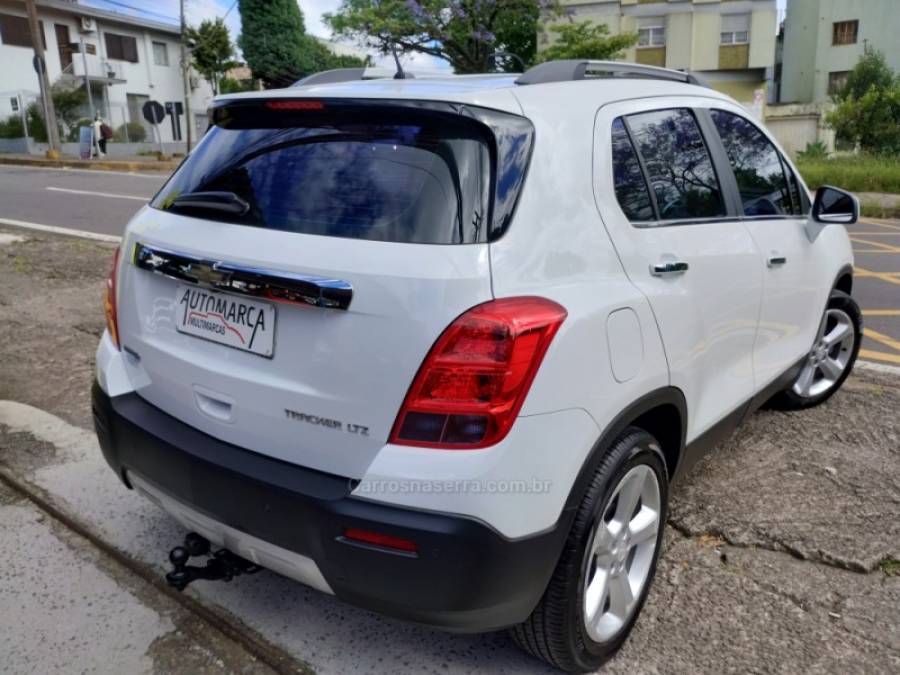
(103, 202)
(94, 201)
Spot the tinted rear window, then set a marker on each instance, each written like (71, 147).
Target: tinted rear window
(416, 178)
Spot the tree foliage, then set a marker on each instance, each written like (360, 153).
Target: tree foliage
(465, 33)
(212, 52)
(586, 40)
(868, 106)
(276, 46)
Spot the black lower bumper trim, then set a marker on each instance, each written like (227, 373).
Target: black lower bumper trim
(466, 577)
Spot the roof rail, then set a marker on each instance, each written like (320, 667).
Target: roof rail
(585, 69)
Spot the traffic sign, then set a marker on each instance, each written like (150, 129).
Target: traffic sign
(153, 112)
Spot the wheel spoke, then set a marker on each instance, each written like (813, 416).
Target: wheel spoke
(629, 494)
(620, 596)
(595, 595)
(643, 526)
(837, 334)
(804, 382)
(831, 369)
(603, 539)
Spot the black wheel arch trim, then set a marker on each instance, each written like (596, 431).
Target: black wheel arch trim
(845, 271)
(670, 396)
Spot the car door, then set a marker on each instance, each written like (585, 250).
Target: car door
(682, 244)
(774, 208)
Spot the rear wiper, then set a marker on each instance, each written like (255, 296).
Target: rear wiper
(220, 202)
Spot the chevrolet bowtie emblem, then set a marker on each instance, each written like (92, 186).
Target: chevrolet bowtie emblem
(208, 274)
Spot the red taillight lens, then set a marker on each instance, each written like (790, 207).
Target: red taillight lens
(382, 540)
(109, 301)
(474, 380)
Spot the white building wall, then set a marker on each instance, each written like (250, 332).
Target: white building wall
(144, 78)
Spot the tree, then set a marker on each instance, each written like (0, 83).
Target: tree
(276, 46)
(586, 40)
(212, 52)
(868, 106)
(465, 33)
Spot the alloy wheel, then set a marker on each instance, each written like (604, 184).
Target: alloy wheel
(829, 356)
(620, 553)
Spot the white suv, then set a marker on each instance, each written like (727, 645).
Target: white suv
(440, 346)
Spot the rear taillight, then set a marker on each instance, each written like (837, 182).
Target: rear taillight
(474, 380)
(109, 301)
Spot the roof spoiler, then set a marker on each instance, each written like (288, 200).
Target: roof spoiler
(348, 75)
(585, 69)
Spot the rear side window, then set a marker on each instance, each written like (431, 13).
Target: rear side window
(371, 173)
(678, 164)
(631, 190)
(757, 167)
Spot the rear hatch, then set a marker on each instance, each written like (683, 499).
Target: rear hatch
(283, 288)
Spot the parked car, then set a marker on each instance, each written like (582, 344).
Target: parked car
(440, 347)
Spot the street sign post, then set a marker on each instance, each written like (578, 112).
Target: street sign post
(154, 113)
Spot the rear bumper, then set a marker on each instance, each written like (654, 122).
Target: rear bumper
(465, 576)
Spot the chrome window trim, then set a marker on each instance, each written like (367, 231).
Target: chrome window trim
(256, 282)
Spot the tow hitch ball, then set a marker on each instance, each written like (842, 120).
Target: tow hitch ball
(221, 565)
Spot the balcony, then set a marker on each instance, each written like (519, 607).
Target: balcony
(98, 70)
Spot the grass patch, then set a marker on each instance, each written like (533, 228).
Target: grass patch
(890, 567)
(857, 174)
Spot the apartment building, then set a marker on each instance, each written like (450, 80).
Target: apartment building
(730, 42)
(823, 40)
(125, 60)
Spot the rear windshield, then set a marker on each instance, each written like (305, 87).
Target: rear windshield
(364, 174)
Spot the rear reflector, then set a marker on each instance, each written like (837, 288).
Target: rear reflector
(109, 301)
(474, 380)
(382, 540)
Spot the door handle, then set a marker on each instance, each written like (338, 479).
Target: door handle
(669, 268)
(776, 260)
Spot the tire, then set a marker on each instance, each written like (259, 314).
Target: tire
(557, 630)
(830, 362)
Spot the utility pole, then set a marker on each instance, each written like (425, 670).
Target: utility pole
(87, 81)
(40, 65)
(185, 72)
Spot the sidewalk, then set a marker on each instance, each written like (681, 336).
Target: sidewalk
(135, 163)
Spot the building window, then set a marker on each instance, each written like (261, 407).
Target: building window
(121, 47)
(14, 31)
(837, 81)
(735, 29)
(160, 54)
(845, 33)
(652, 32)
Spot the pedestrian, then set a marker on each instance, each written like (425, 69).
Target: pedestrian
(102, 133)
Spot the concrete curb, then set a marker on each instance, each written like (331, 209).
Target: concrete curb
(95, 164)
(230, 626)
(878, 367)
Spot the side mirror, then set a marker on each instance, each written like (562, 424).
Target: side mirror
(835, 206)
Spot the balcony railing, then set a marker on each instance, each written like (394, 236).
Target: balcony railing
(97, 69)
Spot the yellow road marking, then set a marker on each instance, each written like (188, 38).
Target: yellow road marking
(881, 312)
(890, 277)
(877, 244)
(882, 338)
(877, 234)
(879, 356)
(873, 250)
